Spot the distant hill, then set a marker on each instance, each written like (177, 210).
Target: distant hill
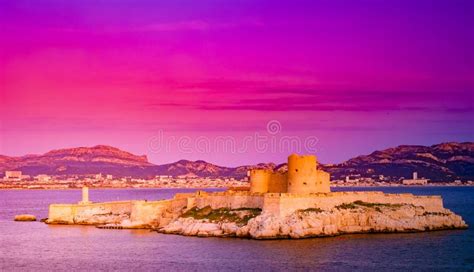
(442, 162)
(80, 160)
(204, 169)
(110, 160)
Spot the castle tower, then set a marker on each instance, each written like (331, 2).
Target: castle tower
(301, 174)
(260, 180)
(304, 178)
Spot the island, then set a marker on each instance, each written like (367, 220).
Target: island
(296, 203)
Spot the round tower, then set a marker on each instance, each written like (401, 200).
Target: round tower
(302, 174)
(260, 180)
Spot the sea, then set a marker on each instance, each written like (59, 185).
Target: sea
(35, 246)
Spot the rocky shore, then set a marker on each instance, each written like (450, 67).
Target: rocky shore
(265, 215)
(356, 217)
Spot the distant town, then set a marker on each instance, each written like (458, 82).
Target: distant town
(17, 180)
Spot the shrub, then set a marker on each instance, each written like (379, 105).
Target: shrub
(372, 205)
(435, 213)
(376, 206)
(346, 206)
(310, 210)
(240, 216)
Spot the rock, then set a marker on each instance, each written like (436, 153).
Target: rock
(25, 217)
(268, 226)
(243, 231)
(229, 228)
(375, 218)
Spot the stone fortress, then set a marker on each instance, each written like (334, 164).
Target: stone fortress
(302, 177)
(297, 203)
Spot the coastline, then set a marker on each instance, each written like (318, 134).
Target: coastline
(414, 248)
(226, 187)
(265, 215)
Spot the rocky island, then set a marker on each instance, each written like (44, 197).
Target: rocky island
(296, 203)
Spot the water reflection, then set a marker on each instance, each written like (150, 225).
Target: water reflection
(37, 246)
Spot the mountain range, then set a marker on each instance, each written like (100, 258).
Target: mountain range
(441, 162)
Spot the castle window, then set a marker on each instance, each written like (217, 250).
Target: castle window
(304, 183)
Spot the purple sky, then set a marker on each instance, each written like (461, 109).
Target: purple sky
(351, 76)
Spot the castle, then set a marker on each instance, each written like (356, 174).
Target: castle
(302, 177)
(297, 203)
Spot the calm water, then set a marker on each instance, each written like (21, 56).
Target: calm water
(36, 246)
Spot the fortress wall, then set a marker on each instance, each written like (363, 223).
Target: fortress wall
(114, 207)
(183, 195)
(190, 202)
(102, 213)
(284, 204)
(81, 213)
(272, 203)
(231, 201)
(140, 213)
(147, 212)
(322, 181)
(144, 213)
(430, 203)
(177, 205)
(61, 213)
(278, 183)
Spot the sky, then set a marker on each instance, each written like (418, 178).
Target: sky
(235, 82)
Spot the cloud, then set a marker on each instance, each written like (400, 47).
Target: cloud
(197, 25)
(316, 104)
(263, 96)
(178, 26)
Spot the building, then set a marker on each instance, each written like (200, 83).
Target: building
(13, 175)
(43, 178)
(302, 177)
(415, 180)
(163, 177)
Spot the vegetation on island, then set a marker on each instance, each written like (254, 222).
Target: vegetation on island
(310, 210)
(240, 216)
(359, 203)
(435, 213)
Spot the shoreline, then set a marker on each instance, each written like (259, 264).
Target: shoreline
(463, 228)
(266, 215)
(226, 188)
